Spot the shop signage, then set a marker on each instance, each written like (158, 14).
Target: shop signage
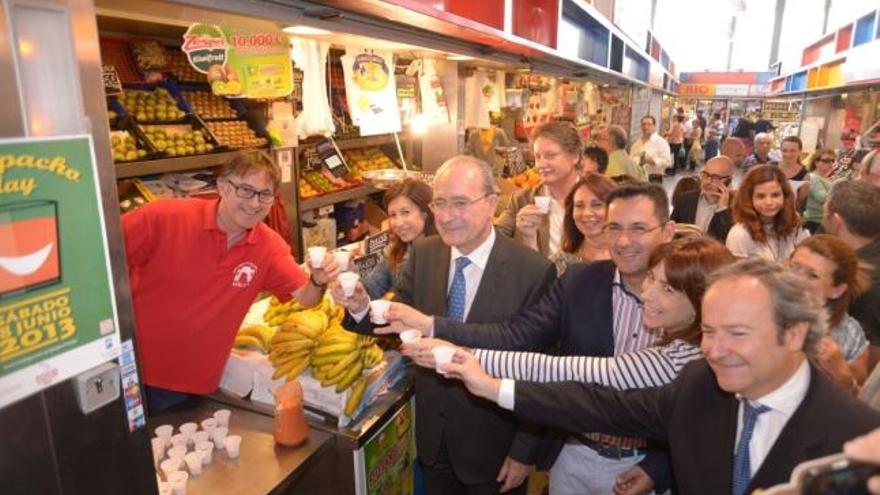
(731, 90)
(240, 63)
(385, 463)
(688, 89)
(112, 84)
(57, 307)
(371, 91)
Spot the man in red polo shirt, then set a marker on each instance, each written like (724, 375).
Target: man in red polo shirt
(196, 266)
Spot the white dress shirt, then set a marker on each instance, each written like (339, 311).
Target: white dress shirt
(655, 148)
(705, 213)
(473, 273)
(782, 403)
(557, 216)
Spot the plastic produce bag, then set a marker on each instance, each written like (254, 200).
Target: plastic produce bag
(316, 117)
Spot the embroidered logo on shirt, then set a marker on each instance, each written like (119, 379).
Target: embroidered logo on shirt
(243, 274)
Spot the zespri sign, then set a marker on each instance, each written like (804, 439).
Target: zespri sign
(57, 307)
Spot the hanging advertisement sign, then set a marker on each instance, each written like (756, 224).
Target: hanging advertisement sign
(371, 91)
(698, 90)
(433, 99)
(57, 307)
(385, 463)
(240, 63)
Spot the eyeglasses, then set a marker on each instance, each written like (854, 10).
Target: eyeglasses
(636, 232)
(246, 192)
(714, 177)
(825, 160)
(457, 205)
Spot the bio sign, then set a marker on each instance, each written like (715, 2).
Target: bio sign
(57, 309)
(240, 63)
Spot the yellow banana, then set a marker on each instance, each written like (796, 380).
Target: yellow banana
(248, 341)
(354, 400)
(293, 345)
(285, 368)
(298, 367)
(328, 359)
(349, 376)
(326, 350)
(343, 364)
(310, 323)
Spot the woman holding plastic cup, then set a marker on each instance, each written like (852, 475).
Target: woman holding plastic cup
(409, 218)
(535, 216)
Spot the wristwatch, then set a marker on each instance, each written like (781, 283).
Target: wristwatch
(315, 283)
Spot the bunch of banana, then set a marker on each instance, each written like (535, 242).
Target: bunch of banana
(291, 347)
(254, 336)
(340, 356)
(278, 311)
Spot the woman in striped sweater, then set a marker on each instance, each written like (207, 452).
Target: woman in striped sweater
(671, 296)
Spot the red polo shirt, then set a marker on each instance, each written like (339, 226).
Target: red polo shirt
(191, 293)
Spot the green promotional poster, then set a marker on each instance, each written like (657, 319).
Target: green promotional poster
(240, 63)
(57, 308)
(388, 457)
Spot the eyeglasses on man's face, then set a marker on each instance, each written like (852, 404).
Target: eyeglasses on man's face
(457, 205)
(714, 177)
(635, 232)
(245, 191)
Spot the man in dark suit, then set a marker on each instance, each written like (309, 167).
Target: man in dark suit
(592, 310)
(468, 273)
(708, 208)
(739, 420)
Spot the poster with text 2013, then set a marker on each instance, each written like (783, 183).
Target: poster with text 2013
(57, 308)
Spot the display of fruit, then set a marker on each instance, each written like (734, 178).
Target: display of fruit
(527, 179)
(151, 106)
(178, 141)
(314, 338)
(306, 191)
(362, 160)
(208, 105)
(180, 68)
(126, 148)
(254, 337)
(236, 134)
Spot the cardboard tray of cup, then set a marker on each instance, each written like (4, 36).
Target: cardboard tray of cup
(384, 178)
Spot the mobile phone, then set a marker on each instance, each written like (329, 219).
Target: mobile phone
(839, 477)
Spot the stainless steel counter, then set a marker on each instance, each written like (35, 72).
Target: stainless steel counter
(262, 467)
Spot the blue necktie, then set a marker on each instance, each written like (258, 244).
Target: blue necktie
(456, 299)
(742, 466)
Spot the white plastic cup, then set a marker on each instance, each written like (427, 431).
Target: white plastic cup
(316, 256)
(209, 424)
(164, 431)
(177, 452)
(194, 463)
(159, 444)
(378, 308)
(222, 417)
(178, 481)
(543, 202)
(207, 450)
(233, 444)
(188, 429)
(165, 488)
(342, 257)
(348, 281)
(411, 335)
(442, 355)
(199, 436)
(179, 440)
(170, 465)
(219, 436)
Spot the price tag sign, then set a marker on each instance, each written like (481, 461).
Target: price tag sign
(112, 84)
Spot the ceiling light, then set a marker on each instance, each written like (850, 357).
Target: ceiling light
(459, 57)
(306, 30)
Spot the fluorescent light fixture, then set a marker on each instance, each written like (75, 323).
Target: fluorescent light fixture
(306, 30)
(459, 57)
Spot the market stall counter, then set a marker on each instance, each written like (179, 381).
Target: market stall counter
(262, 466)
(373, 454)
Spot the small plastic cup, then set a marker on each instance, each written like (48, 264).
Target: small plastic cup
(342, 258)
(316, 256)
(164, 431)
(170, 465)
(177, 452)
(219, 436)
(543, 202)
(209, 424)
(207, 450)
(159, 444)
(411, 335)
(178, 481)
(222, 417)
(199, 436)
(179, 440)
(189, 428)
(194, 463)
(233, 444)
(348, 281)
(165, 488)
(378, 308)
(442, 355)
